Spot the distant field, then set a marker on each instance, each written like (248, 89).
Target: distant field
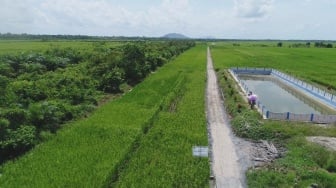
(311, 64)
(18, 46)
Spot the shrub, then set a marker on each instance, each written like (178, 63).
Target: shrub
(247, 125)
(4, 125)
(17, 142)
(15, 116)
(111, 80)
(46, 116)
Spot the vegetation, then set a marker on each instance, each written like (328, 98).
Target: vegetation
(144, 138)
(314, 65)
(322, 45)
(121, 135)
(164, 158)
(304, 163)
(42, 90)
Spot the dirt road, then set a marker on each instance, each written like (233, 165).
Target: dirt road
(225, 161)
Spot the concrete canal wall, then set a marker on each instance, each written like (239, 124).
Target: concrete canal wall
(322, 96)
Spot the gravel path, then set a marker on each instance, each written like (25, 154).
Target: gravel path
(225, 161)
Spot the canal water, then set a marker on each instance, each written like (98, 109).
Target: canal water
(279, 98)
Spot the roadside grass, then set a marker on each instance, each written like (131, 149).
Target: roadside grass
(90, 152)
(304, 163)
(164, 158)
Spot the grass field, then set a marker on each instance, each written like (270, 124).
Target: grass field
(304, 164)
(153, 127)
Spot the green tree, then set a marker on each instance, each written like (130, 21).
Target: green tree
(17, 142)
(25, 92)
(15, 116)
(6, 70)
(45, 116)
(133, 62)
(4, 125)
(111, 80)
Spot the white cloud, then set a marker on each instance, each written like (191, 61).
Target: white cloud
(253, 8)
(195, 18)
(110, 17)
(9, 12)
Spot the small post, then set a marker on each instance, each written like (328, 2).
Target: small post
(311, 117)
(287, 115)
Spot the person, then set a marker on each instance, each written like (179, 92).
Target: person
(249, 97)
(252, 99)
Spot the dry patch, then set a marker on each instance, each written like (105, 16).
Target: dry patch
(328, 142)
(256, 154)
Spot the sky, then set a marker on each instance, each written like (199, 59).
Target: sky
(226, 19)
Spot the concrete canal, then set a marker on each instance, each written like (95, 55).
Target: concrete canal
(280, 98)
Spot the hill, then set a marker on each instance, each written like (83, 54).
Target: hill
(175, 36)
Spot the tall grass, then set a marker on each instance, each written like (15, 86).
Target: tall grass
(87, 153)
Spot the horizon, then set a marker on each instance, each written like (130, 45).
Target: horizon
(163, 36)
(232, 19)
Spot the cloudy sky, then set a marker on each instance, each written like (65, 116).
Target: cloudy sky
(240, 19)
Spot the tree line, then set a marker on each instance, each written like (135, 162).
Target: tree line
(319, 44)
(40, 91)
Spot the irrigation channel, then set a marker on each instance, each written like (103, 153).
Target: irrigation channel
(286, 98)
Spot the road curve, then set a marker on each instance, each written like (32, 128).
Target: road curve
(224, 159)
